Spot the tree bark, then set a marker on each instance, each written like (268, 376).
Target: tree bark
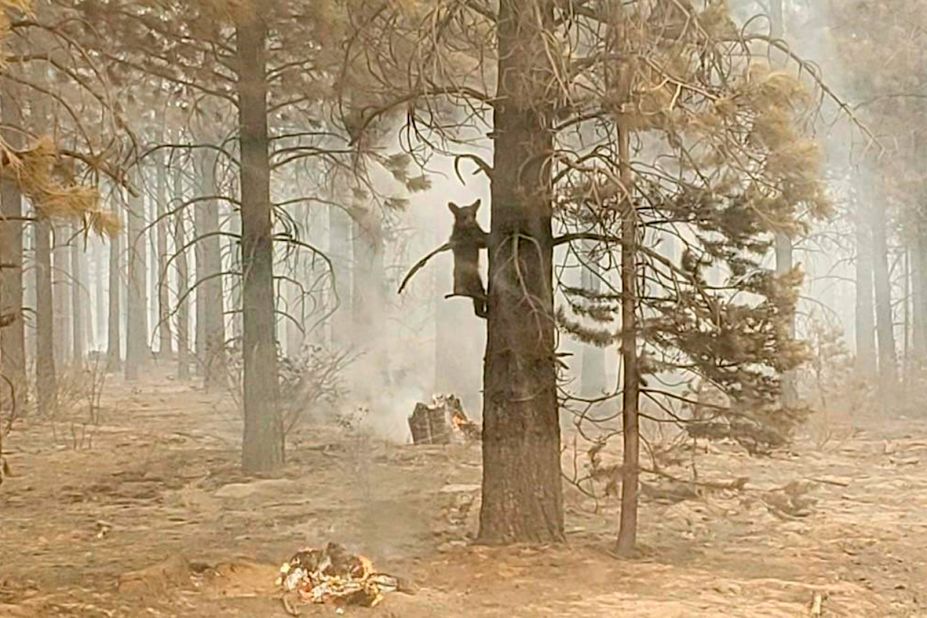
(165, 337)
(865, 311)
(99, 285)
(46, 383)
(13, 335)
(114, 311)
(209, 297)
(78, 340)
(263, 444)
(61, 292)
(631, 378)
(885, 329)
(522, 492)
(183, 299)
(136, 300)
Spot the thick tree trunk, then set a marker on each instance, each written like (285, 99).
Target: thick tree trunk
(136, 301)
(341, 255)
(865, 312)
(522, 491)
(885, 329)
(46, 383)
(13, 334)
(262, 448)
(61, 292)
(209, 297)
(78, 339)
(165, 338)
(114, 311)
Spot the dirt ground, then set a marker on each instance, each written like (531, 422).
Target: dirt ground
(147, 514)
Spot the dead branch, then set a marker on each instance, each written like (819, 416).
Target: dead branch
(421, 264)
(480, 163)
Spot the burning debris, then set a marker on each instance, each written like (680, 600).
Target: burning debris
(334, 576)
(442, 422)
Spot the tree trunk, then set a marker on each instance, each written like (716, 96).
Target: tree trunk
(522, 491)
(294, 322)
(235, 281)
(165, 343)
(77, 304)
(865, 312)
(46, 383)
(631, 379)
(885, 329)
(114, 311)
(13, 334)
(263, 444)
(61, 293)
(919, 292)
(136, 301)
(209, 298)
(99, 285)
(183, 299)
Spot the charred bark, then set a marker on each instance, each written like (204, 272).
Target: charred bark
(262, 448)
(13, 335)
(522, 492)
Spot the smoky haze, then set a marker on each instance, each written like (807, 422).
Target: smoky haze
(254, 359)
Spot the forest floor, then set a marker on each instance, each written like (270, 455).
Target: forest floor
(148, 514)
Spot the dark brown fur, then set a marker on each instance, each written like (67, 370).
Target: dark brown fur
(467, 239)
